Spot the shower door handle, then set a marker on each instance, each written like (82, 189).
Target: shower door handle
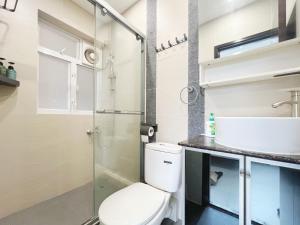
(89, 132)
(109, 111)
(105, 111)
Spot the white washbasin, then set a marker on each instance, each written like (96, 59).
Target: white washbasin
(276, 135)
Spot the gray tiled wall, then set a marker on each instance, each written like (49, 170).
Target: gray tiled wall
(196, 110)
(151, 62)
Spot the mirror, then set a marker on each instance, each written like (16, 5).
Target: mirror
(232, 27)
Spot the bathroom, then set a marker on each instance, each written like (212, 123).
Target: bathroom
(157, 112)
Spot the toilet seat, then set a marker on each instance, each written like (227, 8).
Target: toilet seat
(136, 204)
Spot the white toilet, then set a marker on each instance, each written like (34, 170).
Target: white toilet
(146, 204)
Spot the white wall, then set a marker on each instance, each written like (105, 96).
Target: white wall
(252, 99)
(257, 17)
(172, 71)
(172, 76)
(41, 156)
(137, 15)
(172, 65)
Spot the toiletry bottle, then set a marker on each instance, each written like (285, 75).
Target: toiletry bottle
(2, 67)
(212, 125)
(11, 73)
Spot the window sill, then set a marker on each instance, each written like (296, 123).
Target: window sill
(64, 112)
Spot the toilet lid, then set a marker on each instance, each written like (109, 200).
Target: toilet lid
(136, 204)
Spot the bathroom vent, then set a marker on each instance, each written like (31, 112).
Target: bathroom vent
(9, 5)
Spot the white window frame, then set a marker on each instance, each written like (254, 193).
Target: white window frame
(72, 77)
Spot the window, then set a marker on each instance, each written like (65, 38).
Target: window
(65, 82)
(259, 40)
(57, 40)
(53, 82)
(84, 88)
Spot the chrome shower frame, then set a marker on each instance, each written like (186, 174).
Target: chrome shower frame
(106, 9)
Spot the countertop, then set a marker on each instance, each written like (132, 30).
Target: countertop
(204, 142)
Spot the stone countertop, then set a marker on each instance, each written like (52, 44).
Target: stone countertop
(204, 142)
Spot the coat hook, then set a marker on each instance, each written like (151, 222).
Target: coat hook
(170, 44)
(177, 41)
(185, 37)
(157, 50)
(163, 47)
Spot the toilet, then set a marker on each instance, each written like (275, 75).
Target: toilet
(146, 203)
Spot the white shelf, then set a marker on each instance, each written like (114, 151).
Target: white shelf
(252, 78)
(256, 65)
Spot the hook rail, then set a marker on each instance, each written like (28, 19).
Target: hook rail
(4, 6)
(171, 45)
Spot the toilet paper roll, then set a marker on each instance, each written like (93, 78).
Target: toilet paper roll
(147, 130)
(145, 138)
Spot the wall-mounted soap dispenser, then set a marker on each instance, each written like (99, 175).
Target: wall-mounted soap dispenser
(11, 72)
(2, 67)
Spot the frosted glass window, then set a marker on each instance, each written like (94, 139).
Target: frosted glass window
(57, 40)
(85, 94)
(249, 46)
(53, 82)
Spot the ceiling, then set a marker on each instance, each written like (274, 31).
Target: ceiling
(209, 11)
(119, 5)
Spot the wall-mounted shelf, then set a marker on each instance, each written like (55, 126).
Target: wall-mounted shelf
(9, 82)
(267, 63)
(252, 78)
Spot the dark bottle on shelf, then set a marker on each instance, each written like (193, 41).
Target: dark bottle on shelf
(11, 72)
(2, 67)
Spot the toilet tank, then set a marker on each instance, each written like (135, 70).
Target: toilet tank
(163, 166)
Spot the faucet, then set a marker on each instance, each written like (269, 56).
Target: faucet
(294, 102)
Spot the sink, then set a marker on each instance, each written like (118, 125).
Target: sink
(275, 135)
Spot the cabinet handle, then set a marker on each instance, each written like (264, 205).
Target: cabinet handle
(248, 174)
(245, 173)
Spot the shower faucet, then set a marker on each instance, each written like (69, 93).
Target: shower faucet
(294, 102)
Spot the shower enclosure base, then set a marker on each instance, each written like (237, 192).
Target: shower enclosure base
(71, 208)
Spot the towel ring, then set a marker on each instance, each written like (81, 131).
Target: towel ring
(190, 89)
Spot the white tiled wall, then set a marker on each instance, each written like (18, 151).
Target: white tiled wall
(172, 71)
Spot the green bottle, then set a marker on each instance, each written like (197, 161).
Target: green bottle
(212, 125)
(10, 72)
(2, 67)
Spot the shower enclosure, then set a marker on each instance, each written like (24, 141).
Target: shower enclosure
(59, 163)
(119, 103)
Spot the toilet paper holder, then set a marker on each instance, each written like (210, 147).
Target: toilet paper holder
(147, 132)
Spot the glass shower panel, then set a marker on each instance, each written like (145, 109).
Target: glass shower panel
(119, 107)
(121, 84)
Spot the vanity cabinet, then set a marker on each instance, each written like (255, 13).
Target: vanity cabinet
(272, 192)
(235, 189)
(214, 188)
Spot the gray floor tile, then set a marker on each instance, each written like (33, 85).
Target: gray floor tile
(72, 208)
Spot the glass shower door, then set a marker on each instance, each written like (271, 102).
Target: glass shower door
(119, 106)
